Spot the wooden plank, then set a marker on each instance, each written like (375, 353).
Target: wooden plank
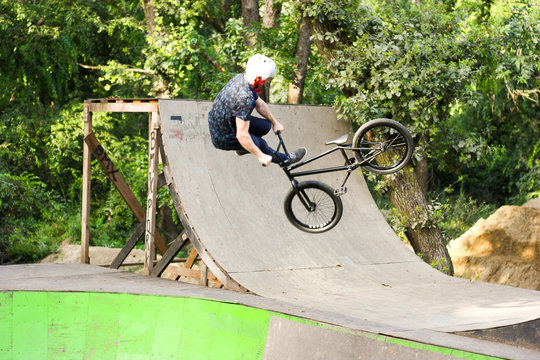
(182, 271)
(203, 278)
(130, 244)
(141, 263)
(174, 248)
(174, 272)
(151, 200)
(120, 184)
(123, 107)
(86, 189)
(191, 259)
(162, 181)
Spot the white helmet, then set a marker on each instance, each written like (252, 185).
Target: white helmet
(260, 65)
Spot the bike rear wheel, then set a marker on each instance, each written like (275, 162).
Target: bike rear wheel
(383, 146)
(314, 208)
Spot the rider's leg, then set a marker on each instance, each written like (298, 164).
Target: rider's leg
(258, 126)
(261, 144)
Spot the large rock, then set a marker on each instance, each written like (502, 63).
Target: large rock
(533, 203)
(503, 249)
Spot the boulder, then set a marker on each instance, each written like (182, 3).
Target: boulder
(533, 203)
(502, 249)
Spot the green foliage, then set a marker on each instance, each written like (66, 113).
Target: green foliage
(499, 110)
(25, 206)
(458, 212)
(467, 88)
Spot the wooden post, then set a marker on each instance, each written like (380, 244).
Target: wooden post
(87, 174)
(203, 280)
(151, 206)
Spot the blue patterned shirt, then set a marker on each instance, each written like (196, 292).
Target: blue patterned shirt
(236, 99)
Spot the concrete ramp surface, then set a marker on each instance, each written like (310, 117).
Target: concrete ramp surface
(358, 274)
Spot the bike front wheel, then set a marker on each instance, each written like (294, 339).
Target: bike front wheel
(313, 207)
(383, 146)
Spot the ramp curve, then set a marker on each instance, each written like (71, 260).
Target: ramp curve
(360, 271)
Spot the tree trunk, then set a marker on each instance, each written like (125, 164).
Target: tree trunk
(421, 230)
(250, 16)
(303, 45)
(271, 11)
(422, 166)
(150, 15)
(422, 174)
(161, 85)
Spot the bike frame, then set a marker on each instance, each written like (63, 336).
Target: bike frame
(350, 163)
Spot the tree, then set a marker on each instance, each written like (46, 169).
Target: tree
(303, 46)
(271, 13)
(251, 19)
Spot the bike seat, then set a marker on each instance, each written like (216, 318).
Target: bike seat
(339, 141)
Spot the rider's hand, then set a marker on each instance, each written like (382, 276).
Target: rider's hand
(277, 127)
(265, 159)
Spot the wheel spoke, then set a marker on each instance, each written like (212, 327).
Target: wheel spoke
(323, 213)
(382, 147)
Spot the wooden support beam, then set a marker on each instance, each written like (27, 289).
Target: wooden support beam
(151, 200)
(123, 106)
(120, 184)
(191, 259)
(203, 277)
(162, 181)
(87, 174)
(168, 257)
(175, 272)
(141, 263)
(130, 244)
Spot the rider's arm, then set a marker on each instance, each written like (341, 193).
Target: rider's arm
(244, 138)
(264, 110)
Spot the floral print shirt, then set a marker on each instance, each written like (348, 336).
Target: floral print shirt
(236, 99)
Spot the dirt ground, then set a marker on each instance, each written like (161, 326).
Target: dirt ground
(502, 249)
(69, 253)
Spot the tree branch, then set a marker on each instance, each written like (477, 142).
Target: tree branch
(127, 68)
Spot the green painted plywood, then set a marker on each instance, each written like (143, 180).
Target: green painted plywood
(71, 325)
(50, 325)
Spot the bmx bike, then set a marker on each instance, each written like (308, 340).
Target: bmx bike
(382, 146)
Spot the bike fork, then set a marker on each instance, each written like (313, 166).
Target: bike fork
(304, 199)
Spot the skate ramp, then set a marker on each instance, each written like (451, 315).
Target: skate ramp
(359, 273)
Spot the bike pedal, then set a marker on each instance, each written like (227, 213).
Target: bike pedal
(341, 191)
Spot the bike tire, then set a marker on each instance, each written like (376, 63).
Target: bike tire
(326, 213)
(383, 146)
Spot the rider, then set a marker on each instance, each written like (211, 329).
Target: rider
(232, 127)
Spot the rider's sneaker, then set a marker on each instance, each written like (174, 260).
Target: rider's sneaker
(241, 152)
(297, 155)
